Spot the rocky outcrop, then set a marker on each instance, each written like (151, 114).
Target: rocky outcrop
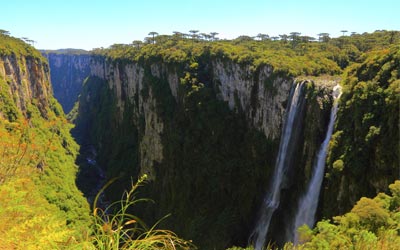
(68, 71)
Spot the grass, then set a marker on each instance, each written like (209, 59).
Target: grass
(115, 228)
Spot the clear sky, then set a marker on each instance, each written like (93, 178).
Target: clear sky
(88, 24)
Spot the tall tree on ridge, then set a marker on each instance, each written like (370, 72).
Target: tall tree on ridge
(323, 37)
(284, 38)
(4, 32)
(262, 37)
(213, 36)
(153, 34)
(137, 43)
(294, 36)
(193, 33)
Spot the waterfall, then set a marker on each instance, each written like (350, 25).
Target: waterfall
(309, 202)
(272, 198)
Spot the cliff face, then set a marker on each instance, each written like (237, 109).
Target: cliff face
(68, 72)
(28, 81)
(260, 95)
(206, 134)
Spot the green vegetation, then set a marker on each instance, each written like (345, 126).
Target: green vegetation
(367, 125)
(7, 105)
(41, 208)
(371, 224)
(215, 164)
(67, 51)
(294, 55)
(209, 151)
(13, 46)
(201, 123)
(115, 228)
(37, 183)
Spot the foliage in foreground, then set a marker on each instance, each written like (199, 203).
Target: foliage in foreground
(116, 228)
(28, 219)
(39, 203)
(371, 224)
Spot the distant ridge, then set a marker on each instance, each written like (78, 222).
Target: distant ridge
(65, 51)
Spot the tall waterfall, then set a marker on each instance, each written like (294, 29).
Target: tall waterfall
(309, 202)
(272, 198)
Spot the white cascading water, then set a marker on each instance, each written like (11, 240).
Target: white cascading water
(271, 201)
(309, 202)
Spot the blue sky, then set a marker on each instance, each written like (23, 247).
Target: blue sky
(91, 24)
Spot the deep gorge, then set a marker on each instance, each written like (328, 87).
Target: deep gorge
(208, 149)
(230, 135)
(200, 125)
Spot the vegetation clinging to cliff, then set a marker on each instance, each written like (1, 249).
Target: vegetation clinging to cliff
(366, 140)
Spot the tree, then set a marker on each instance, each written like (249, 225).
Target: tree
(161, 39)
(177, 34)
(244, 38)
(392, 35)
(205, 36)
(4, 32)
(344, 32)
(320, 36)
(148, 40)
(323, 37)
(31, 42)
(307, 39)
(213, 36)
(371, 214)
(284, 38)
(262, 37)
(193, 33)
(137, 43)
(153, 34)
(294, 37)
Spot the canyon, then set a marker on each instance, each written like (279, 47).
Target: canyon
(193, 146)
(232, 145)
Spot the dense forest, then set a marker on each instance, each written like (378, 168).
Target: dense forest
(193, 123)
